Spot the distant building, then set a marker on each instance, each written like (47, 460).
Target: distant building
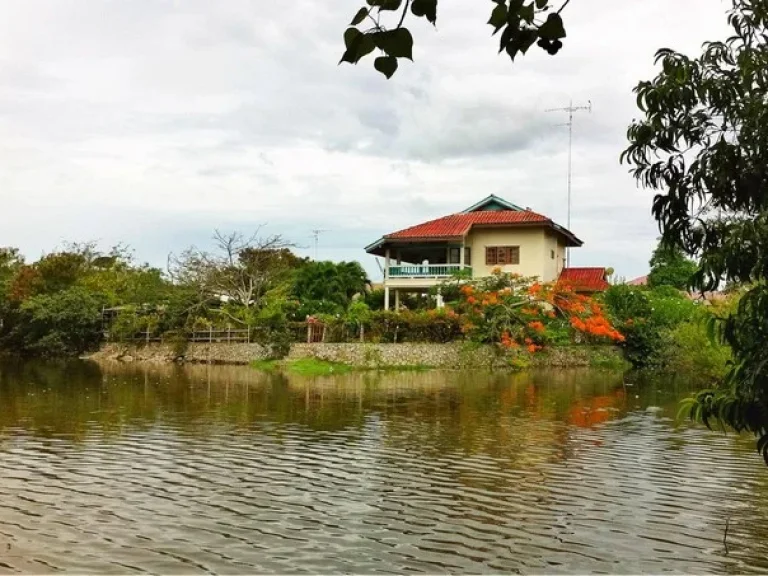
(640, 281)
(493, 233)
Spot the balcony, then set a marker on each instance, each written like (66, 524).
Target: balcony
(431, 271)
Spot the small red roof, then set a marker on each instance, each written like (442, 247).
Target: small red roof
(640, 281)
(457, 225)
(585, 279)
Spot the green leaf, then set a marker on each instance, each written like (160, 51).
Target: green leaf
(425, 8)
(526, 39)
(350, 35)
(553, 28)
(397, 43)
(387, 65)
(506, 37)
(358, 45)
(360, 16)
(386, 4)
(527, 13)
(498, 17)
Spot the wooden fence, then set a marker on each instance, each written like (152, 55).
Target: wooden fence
(310, 332)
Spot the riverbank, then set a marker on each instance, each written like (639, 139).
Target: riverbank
(454, 355)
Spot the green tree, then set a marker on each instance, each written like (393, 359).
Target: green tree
(522, 24)
(327, 286)
(670, 267)
(65, 323)
(703, 145)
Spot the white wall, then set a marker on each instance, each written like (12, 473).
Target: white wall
(535, 246)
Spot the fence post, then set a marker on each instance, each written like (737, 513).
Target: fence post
(229, 334)
(309, 333)
(210, 334)
(362, 332)
(147, 335)
(324, 327)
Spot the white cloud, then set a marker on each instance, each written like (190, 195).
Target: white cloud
(154, 122)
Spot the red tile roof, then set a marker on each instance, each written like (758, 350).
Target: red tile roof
(586, 279)
(640, 281)
(459, 224)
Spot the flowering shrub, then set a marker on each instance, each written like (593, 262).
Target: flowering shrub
(522, 313)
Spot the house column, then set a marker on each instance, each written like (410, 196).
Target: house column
(386, 279)
(462, 249)
(397, 300)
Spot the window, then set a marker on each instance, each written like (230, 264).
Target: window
(468, 256)
(501, 255)
(453, 255)
(552, 254)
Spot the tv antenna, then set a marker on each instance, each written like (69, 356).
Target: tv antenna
(570, 109)
(316, 235)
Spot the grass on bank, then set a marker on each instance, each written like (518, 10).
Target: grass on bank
(315, 367)
(265, 365)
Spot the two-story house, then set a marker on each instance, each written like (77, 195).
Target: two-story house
(491, 234)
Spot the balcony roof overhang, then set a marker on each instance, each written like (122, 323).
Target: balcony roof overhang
(379, 248)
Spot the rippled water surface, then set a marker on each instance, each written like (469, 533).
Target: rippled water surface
(223, 469)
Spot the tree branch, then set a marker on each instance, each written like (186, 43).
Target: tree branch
(563, 6)
(405, 9)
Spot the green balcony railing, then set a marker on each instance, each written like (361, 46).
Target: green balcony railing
(427, 271)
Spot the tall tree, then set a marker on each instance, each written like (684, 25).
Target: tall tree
(671, 267)
(703, 145)
(240, 270)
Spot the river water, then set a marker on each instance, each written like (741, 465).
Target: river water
(118, 469)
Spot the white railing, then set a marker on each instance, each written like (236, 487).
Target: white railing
(427, 270)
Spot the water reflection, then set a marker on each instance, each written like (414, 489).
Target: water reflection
(213, 468)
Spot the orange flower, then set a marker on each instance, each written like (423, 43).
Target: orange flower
(537, 326)
(533, 348)
(472, 300)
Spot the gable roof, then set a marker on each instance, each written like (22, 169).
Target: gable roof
(492, 211)
(491, 203)
(585, 279)
(457, 225)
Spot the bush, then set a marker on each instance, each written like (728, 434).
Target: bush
(649, 319)
(274, 332)
(430, 326)
(689, 350)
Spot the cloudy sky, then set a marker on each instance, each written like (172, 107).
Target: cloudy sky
(154, 122)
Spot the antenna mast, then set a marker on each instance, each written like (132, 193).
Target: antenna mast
(570, 109)
(316, 235)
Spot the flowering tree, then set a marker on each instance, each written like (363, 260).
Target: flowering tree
(522, 313)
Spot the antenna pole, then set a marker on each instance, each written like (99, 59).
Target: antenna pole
(316, 235)
(570, 109)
